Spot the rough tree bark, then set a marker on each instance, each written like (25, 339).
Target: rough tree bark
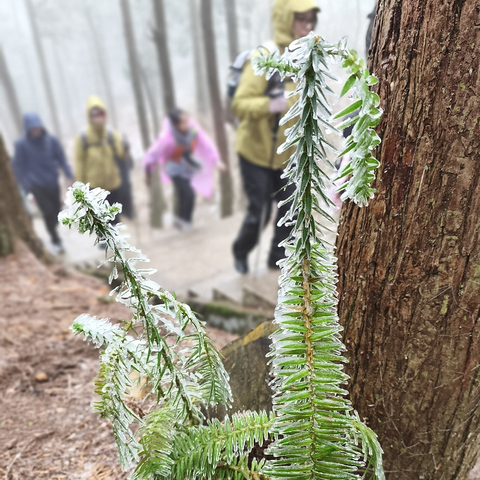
(216, 106)
(103, 65)
(11, 94)
(409, 265)
(47, 82)
(14, 220)
(161, 42)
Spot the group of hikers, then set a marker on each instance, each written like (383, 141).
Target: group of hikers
(186, 155)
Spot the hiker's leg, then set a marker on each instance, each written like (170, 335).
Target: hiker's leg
(48, 201)
(256, 185)
(282, 192)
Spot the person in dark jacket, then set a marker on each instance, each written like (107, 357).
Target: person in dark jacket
(36, 163)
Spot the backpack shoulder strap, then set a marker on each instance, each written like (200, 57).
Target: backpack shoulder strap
(84, 140)
(111, 142)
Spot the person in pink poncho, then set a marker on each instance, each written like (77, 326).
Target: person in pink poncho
(188, 158)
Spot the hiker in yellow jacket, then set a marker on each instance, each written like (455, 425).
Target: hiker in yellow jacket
(97, 151)
(259, 105)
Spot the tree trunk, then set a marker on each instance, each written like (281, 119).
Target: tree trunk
(103, 66)
(161, 42)
(14, 220)
(216, 106)
(60, 66)
(201, 91)
(47, 82)
(152, 104)
(231, 13)
(11, 94)
(409, 264)
(135, 74)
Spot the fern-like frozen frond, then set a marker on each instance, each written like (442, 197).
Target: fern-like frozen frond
(220, 449)
(364, 114)
(156, 437)
(183, 379)
(317, 437)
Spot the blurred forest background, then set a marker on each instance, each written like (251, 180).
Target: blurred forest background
(85, 53)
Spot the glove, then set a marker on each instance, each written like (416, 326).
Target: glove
(277, 105)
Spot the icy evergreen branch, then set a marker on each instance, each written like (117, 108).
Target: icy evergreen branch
(318, 433)
(184, 376)
(221, 449)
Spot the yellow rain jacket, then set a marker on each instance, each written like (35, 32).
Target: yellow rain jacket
(254, 138)
(95, 162)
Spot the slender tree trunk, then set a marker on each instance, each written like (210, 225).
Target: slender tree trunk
(135, 74)
(103, 66)
(201, 91)
(44, 69)
(409, 264)
(154, 111)
(161, 42)
(216, 106)
(11, 94)
(156, 194)
(232, 29)
(14, 220)
(59, 65)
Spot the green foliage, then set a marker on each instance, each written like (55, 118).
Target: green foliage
(313, 432)
(318, 433)
(172, 350)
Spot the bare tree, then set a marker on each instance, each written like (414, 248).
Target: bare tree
(59, 66)
(156, 194)
(216, 106)
(409, 264)
(201, 90)
(161, 42)
(232, 29)
(103, 65)
(151, 101)
(135, 75)
(44, 69)
(15, 224)
(11, 94)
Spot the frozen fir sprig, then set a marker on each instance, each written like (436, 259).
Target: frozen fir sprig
(318, 434)
(363, 112)
(177, 358)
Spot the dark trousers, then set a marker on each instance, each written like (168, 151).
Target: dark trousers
(48, 201)
(185, 198)
(263, 186)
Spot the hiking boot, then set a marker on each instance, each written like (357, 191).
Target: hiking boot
(241, 265)
(58, 248)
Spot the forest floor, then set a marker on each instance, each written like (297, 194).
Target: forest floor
(48, 428)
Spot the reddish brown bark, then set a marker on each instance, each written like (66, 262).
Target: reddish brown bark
(14, 220)
(409, 264)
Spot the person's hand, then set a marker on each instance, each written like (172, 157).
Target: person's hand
(222, 166)
(277, 104)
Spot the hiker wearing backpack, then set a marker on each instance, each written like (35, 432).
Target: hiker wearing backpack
(258, 105)
(100, 156)
(36, 163)
(187, 158)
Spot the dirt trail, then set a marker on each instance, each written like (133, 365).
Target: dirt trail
(48, 428)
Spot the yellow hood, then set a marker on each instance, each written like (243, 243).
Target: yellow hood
(95, 102)
(282, 18)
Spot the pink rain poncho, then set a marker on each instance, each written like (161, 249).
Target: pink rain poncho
(204, 150)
